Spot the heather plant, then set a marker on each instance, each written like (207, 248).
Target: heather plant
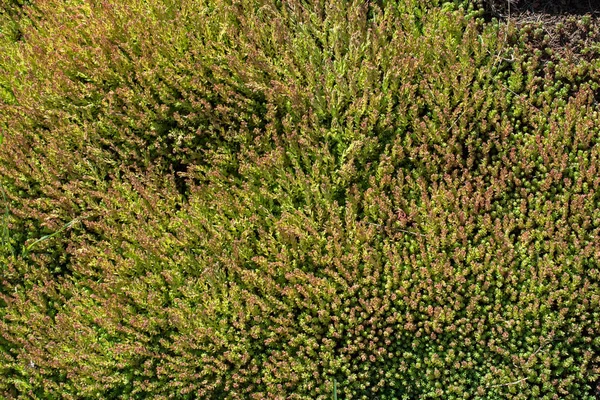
(269, 200)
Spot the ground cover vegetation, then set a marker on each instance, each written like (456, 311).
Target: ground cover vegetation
(260, 199)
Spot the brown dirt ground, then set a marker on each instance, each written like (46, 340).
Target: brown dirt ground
(570, 27)
(556, 7)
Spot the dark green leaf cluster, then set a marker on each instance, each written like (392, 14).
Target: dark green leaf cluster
(256, 199)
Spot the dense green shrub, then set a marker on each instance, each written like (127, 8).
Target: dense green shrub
(254, 199)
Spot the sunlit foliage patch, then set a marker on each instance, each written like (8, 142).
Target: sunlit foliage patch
(253, 199)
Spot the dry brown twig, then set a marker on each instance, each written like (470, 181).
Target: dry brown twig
(507, 384)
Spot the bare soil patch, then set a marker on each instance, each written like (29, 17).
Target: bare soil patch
(570, 28)
(557, 7)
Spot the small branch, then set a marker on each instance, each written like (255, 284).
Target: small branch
(412, 233)
(535, 352)
(401, 230)
(507, 384)
(50, 236)
(455, 121)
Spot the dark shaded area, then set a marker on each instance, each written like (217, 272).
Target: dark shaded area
(568, 35)
(579, 7)
(568, 28)
(506, 8)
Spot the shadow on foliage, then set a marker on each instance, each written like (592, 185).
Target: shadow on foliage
(504, 8)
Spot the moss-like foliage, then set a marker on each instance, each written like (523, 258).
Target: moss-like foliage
(256, 199)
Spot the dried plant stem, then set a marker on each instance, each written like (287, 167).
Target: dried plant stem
(401, 230)
(507, 384)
